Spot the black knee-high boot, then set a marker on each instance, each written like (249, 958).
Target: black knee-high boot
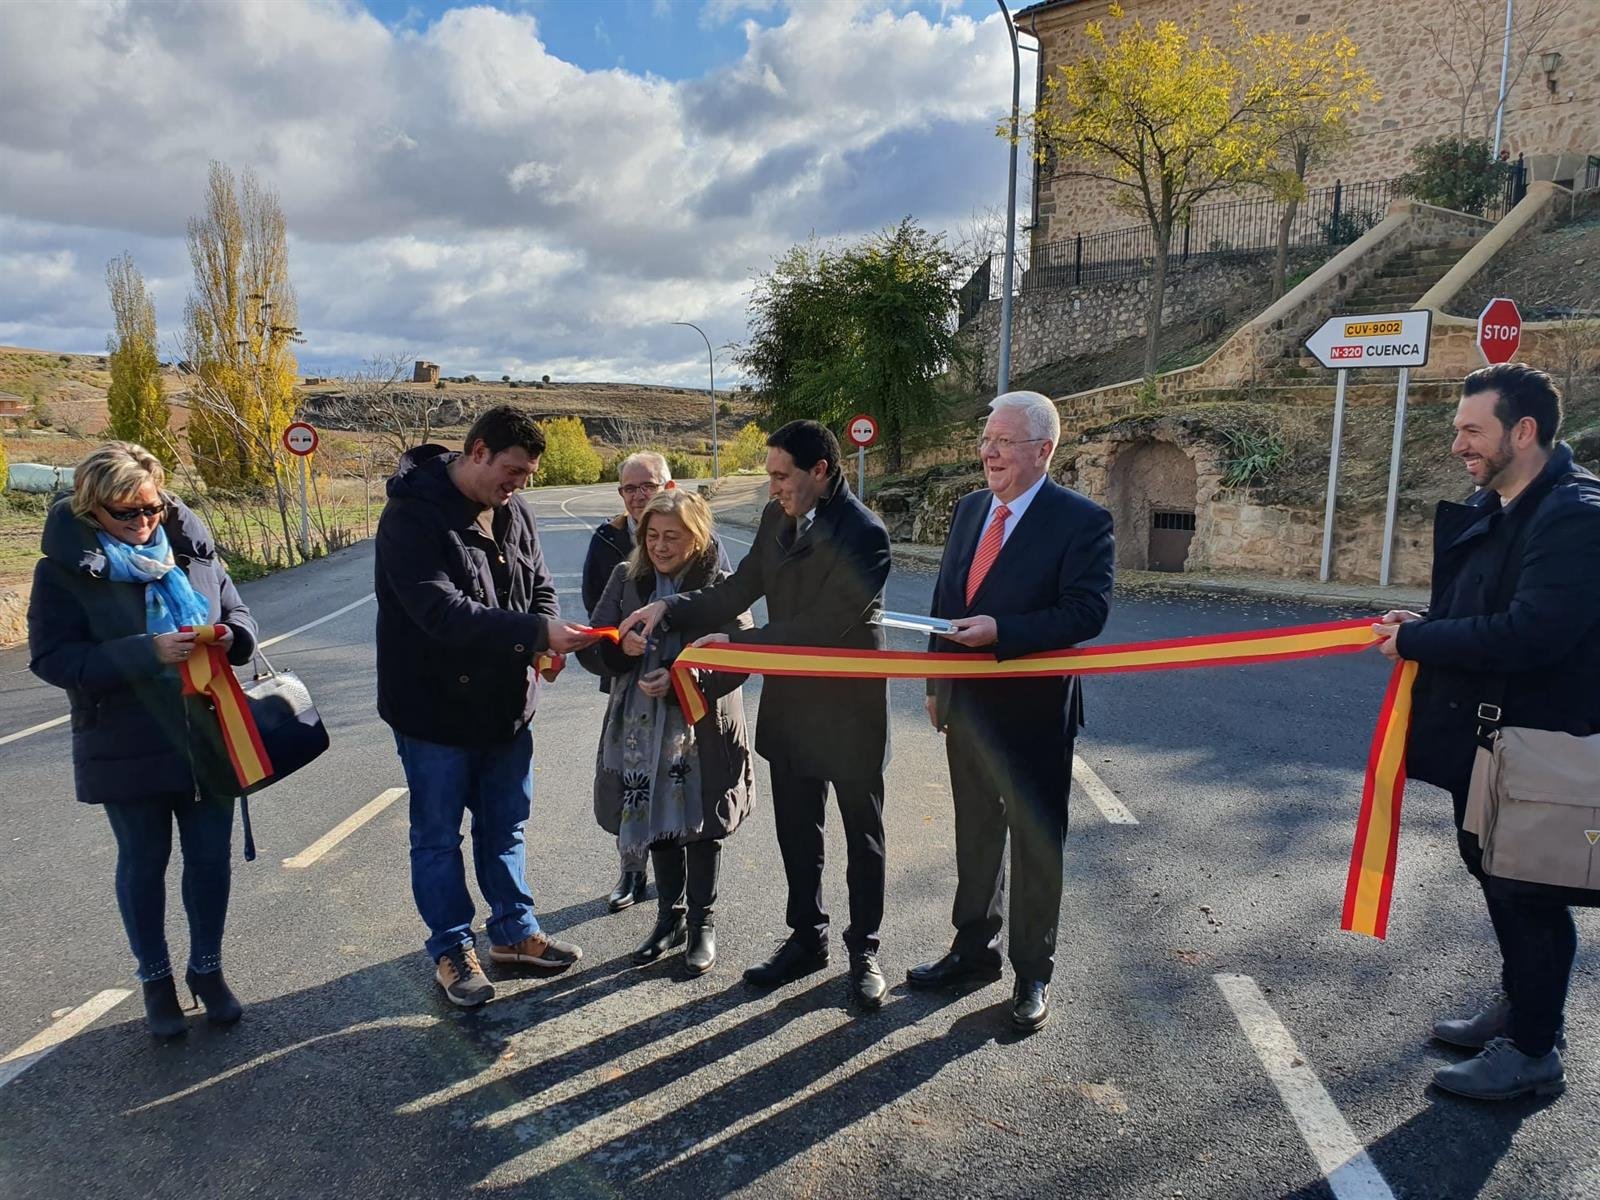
(671, 929)
(704, 865)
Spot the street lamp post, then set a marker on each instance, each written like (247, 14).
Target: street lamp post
(1003, 370)
(711, 369)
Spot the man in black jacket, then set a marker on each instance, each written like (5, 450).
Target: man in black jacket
(1514, 624)
(820, 557)
(1027, 568)
(465, 606)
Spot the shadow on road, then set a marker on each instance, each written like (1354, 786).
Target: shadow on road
(372, 1085)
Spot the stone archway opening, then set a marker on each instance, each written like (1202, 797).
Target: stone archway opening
(1151, 494)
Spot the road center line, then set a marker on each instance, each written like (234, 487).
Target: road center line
(344, 829)
(272, 641)
(46, 1040)
(1112, 809)
(1341, 1157)
(299, 629)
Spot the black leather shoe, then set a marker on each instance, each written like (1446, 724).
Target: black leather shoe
(867, 984)
(629, 890)
(161, 1012)
(671, 930)
(702, 951)
(222, 1006)
(792, 960)
(949, 971)
(1030, 1004)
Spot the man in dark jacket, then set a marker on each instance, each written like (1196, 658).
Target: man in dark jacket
(1513, 624)
(1027, 568)
(820, 557)
(465, 605)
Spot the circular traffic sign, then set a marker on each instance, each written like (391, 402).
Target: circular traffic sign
(1499, 330)
(299, 438)
(862, 430)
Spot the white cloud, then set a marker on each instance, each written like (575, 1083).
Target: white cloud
(456, 189)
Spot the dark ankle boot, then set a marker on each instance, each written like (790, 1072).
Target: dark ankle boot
(702, 951)
(222, 1006)
(670, 931)
(161, 1012)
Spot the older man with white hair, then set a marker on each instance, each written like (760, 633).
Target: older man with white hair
(1027, 567)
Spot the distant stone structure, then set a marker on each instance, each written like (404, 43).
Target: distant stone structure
(425, 372)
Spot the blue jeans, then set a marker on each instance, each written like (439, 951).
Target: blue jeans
(494, 784)
(143, 829)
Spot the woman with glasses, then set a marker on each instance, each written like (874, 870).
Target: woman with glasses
(640, 478)
(667, 788)
(126, 568)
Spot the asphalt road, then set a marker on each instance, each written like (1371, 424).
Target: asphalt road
(350, 1076)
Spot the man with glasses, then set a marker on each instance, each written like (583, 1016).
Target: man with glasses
(1027, 567)
(640, 477)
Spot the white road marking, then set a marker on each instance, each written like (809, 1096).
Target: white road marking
(344, 829)
(272, 641)
(299, 629)
(46, 1040)
(1112, 809)
(32, 729)
(1342, 1159)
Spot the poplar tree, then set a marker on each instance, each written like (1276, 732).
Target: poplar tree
(138, 408)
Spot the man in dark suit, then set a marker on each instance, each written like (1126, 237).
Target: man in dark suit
(1027, 567)
(820, 558)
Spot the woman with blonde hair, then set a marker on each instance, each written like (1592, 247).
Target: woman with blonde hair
(660, 783)
(126, 568)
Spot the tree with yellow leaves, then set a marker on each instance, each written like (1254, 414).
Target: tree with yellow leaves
(1320, 86)
(138, 408)
(239, 335)
(1167, 116)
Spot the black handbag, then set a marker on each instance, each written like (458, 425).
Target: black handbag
(291, 732)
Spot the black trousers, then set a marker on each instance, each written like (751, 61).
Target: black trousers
(799, 806)
(1538, 944)
(1001, 788)
(686, 879)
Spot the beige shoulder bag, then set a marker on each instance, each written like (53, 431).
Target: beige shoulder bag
(1534, 803)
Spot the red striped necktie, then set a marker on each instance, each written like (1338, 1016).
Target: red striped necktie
(988, 551)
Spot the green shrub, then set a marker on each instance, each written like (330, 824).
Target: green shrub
(1459, 173)
(4, 464)
(687, 466)
(748, 448)
(568, 456)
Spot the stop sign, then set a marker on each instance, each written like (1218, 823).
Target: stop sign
(1499, 330)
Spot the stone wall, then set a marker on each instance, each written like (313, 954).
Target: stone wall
(1233, 531)
(1420, 99)
(1051, 325)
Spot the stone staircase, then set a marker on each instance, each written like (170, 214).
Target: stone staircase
(1405, 279)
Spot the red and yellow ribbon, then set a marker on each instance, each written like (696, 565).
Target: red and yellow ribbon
(209, 674)
(1371, 879)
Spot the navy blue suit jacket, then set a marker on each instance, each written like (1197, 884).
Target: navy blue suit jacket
(1050, 588)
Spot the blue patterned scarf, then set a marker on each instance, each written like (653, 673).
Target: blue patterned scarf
(170, 600)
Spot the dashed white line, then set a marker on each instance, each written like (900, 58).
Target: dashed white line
(1340, 1156)
(46, 1040)
(1092, 786)
(344, 829)
(272, 641)
(299, 629)
(33, 729)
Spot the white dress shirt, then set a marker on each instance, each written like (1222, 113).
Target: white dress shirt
(1016, 508)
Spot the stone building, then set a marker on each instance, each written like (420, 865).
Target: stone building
(425, 372)
(1437, 64)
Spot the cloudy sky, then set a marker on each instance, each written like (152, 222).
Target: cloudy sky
(532, 187)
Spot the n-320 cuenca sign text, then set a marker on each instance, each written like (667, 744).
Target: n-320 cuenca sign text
(1373, 340)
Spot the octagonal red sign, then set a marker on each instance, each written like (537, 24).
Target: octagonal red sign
(1499, 330)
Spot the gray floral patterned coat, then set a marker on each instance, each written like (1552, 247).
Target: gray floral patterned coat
(722, 738)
